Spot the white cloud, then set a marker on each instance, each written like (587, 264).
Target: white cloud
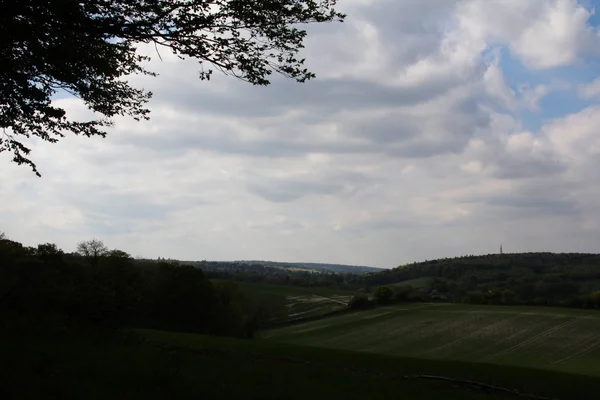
(590, 90)
(542, 33)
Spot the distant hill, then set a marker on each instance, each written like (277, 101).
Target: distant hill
(522, 278)
(321, 267)
(497, 267)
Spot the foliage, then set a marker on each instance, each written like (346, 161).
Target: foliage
(511, 279)
(318, 267)
(92, 250)
(360, 302)
(383, 295)
(266, 273)
(43, 289)
(88, 48)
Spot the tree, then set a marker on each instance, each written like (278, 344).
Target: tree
(383, 295)
(86, 48)
(92, 250)
(359, 301)
(118, 255)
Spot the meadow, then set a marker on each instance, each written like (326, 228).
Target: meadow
(151, 364)
(548, 338)
(288, 303)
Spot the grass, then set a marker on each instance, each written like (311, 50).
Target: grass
(290, 303)
(371, 371)
(186, 366)
(159, 364)
(549, 338)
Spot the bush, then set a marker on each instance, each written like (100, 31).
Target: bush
(360, 302)
(383, 295)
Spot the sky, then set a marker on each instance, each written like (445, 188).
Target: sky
(434, 128)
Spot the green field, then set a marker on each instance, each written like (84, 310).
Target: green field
(290, 303)
(188, 366)
(550, 338)
(157, 365)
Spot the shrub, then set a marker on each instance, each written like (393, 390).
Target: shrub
(360, 302)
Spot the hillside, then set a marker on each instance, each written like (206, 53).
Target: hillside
(322, 267)
(521, 278)
(157, 365)
(536, 337)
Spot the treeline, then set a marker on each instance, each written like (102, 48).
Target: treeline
(496, 267)
(259, 273)
(439, 291)
(43, 289)
(321, 267)
(569, 279)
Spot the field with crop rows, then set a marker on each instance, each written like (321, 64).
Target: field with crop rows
(290, 303)
(555, 338)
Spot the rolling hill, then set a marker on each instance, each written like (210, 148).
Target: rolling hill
(537, 337)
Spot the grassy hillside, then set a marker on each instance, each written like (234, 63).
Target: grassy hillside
(290, 303)
(578, 267)
(558, 339)
(176, 365)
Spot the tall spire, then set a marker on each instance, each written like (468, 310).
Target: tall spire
(501, 249)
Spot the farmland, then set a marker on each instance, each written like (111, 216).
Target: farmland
(549, 338)
(289, 303)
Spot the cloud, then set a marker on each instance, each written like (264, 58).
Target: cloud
(590, 90)
(412, 143)
(543, 34)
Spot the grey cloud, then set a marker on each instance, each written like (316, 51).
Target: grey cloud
(99, 202)
(378, 224)
(531, 199)
(281, 190)
(526, 167)
(505, 164)
(409, 29)
(284, 225)
(320, 96)
(396, 134)
(383, 130)
(534, 204)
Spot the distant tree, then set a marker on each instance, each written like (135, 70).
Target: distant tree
(118, 254)
(439, 284)
(595, 299)
(475, 298)
(3, 236)
(87, 48)
(48, 250)
(92, 250)
(494, 296)
(403, 293)
(383, 295)
(509, 297)
(359, 302)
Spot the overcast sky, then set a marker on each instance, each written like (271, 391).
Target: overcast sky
(435, 128)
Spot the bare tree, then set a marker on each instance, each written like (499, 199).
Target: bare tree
(92, 250)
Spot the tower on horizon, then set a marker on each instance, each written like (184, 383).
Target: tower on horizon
(501, 250)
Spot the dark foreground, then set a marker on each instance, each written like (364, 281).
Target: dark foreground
(158, 365)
